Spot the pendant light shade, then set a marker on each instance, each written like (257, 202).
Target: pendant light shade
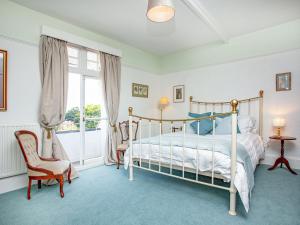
(160, 10)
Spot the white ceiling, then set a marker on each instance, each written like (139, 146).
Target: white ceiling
(125, 20)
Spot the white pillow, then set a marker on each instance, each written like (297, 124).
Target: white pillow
(246, 124)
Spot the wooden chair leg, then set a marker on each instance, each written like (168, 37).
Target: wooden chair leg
(39, 184)
(69, 174)
(61, 186)
(29, 188)
(118, 159)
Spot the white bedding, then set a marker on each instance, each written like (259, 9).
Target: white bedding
(251, 142)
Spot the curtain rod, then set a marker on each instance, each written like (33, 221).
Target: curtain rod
(77, 40)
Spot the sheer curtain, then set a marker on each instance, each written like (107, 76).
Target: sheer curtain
(111, 78)
(54, 77)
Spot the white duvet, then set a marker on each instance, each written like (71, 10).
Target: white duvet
(251, 142)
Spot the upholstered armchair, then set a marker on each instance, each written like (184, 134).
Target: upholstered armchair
(39, 168)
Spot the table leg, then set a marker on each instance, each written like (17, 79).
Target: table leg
(281, 160)
(286, 162)
(282, 152)
(277, 162)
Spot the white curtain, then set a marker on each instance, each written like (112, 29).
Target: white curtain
(54, 76)
(111, 78)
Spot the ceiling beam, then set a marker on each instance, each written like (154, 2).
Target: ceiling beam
(199, 10)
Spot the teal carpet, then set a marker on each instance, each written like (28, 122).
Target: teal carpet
(105, 196)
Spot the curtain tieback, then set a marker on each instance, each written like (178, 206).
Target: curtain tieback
(113, 126)
(48, 132)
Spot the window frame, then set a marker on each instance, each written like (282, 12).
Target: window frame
(82, 62)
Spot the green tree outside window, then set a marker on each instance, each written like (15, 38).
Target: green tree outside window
(92, 116)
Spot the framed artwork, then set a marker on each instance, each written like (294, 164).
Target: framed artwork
(3, 80)
(140, 90)
(283, 82)
(178, 93)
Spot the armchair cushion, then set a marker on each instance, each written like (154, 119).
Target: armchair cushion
(30, 149)
(56, 167)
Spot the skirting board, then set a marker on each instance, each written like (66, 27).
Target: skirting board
(18, 182)
(13, 183)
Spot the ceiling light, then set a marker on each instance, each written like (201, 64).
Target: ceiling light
(160, 10)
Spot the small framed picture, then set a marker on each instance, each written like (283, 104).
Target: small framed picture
(283, 82)
(178, 93)
(140, 90)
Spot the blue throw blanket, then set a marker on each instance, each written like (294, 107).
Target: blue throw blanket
(206, 142)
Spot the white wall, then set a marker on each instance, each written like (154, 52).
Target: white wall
(141, 106)
(24, 84)
(243, 79)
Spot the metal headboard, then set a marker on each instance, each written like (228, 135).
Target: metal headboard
(225, 107)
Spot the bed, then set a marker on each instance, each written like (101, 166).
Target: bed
(231, 157)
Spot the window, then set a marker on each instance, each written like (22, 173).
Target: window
(73, 54)
(93, 61)
(84, 61)
(81, 133)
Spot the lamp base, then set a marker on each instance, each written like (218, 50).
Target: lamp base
(161, 111)
(278, 132)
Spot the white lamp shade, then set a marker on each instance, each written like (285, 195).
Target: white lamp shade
(160, 10)
(278, 122)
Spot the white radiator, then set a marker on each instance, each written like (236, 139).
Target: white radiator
(11, 158)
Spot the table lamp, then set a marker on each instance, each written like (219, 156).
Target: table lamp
(163, 103)
(278, 123)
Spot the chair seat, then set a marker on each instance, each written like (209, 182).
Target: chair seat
(57, 167)
(122, 147)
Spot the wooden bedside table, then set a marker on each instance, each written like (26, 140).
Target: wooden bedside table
(281, 159)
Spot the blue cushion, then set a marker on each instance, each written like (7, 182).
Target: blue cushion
(205, 126)
(223, 125)
(197, 115)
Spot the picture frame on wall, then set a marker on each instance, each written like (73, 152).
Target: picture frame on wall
(140, 90)
(284, 81)
(178, 93)
(3, 80)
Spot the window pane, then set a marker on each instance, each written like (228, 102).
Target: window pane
(92, 56)
(93, 125)
(73, 62)
(73, 52)
(92, 66)
(69, 131)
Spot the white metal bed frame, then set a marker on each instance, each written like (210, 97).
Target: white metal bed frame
(233, 158)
